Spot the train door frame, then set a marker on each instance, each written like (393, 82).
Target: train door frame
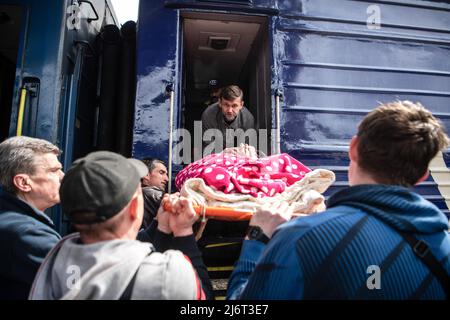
(221, 240)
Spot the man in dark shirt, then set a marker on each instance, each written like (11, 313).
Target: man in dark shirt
(30, 175)
(153, 188)
(228, 113)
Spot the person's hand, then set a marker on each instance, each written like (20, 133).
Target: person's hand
(269, 217)
(163, 216)
(182, 217)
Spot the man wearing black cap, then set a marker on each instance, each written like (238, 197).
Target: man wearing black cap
(102, 197)
(214, 92)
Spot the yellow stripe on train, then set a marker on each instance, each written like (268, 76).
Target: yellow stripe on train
(222, 244)
(226, 268)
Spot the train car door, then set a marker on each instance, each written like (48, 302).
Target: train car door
(230, 49)
(11, 33)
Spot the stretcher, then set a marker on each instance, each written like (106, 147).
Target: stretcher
(222, 213)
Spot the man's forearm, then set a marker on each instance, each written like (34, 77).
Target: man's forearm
(250, 253)
(189, 247)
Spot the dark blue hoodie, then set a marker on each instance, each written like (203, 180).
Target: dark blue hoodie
(343, 252)
(26, 236)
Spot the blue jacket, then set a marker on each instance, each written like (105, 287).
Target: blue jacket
(331, 255)
(26, 236)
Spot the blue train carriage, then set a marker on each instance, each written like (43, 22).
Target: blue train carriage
(48, 71)
(310, 71)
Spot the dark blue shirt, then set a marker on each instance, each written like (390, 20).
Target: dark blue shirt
(26, 236)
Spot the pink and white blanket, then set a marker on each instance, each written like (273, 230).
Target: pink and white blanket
(237, 178)
(232, 173)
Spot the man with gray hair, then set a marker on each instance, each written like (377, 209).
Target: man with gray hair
(30, 176)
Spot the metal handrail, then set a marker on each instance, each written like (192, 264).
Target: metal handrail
(278, 95)
(23, 97)
(170, 89)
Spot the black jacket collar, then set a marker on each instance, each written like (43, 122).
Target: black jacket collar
(10, 202)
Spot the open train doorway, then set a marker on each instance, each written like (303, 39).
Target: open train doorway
(226, 49)
(10, 28)
(221, 50)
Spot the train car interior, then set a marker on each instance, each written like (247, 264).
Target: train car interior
(229, 49)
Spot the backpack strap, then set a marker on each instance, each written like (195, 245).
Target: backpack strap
(126, 295)
(422, 251)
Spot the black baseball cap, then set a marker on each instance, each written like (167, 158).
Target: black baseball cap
(99, 186)
(214, 83)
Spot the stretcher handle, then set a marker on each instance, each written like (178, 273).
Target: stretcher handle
(219, 212)
(223, 213)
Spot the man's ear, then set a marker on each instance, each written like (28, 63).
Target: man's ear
(424, 177)
(146, 178)
(353, 150)
(21, 182)
(134, 212)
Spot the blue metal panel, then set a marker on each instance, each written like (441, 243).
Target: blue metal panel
(334, 69)
(41, 59)
(43, 55)
(266, 7)
(156, 67)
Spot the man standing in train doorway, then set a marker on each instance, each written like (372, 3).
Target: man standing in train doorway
(228, 113)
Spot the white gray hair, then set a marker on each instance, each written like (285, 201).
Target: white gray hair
(18, 155)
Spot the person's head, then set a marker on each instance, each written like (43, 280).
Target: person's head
(157, 174)
(230, 102)
(102, 197)
(395, 144)
(214, 88)
(29, 168)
